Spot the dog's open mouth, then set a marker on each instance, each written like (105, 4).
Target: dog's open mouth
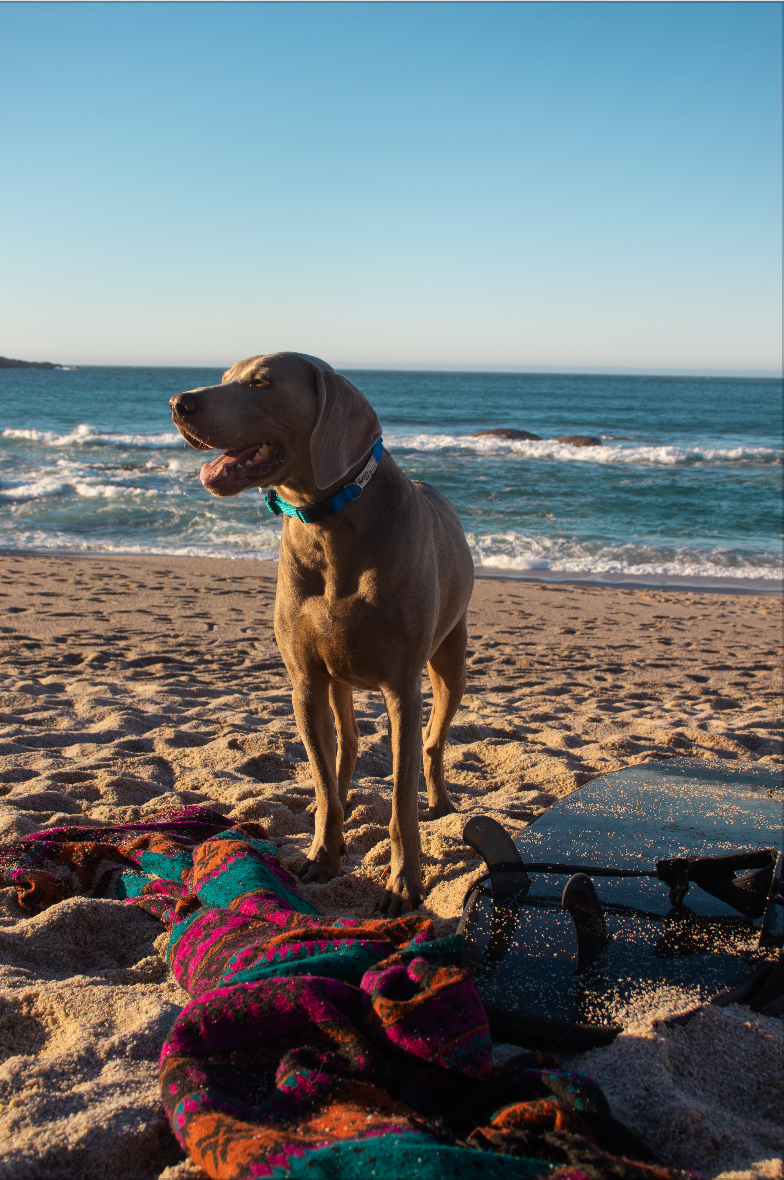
(239, 469)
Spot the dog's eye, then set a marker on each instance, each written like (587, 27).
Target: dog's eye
(258, 381)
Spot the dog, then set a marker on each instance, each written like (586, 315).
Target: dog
(371, 586)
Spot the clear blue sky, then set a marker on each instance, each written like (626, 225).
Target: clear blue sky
(562, 186)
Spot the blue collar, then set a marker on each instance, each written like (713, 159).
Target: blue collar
(315, 512)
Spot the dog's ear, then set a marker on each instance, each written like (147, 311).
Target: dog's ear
(346, 428)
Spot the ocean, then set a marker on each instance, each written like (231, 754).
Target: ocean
(685, 488)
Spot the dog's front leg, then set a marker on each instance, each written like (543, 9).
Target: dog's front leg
(341, 698)
(314, 721)
(404, 889)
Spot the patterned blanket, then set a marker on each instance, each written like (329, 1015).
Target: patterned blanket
(323, 1047)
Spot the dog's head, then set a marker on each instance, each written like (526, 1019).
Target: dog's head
(283, 418)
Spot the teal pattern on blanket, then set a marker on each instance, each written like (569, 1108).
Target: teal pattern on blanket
(392, 1157)
(346, 961)
(174, 866)
(244, 871)
(131, 883)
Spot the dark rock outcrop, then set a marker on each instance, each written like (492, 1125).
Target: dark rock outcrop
(580, 440)
(506, 432)
(574, 440)
(7, 363)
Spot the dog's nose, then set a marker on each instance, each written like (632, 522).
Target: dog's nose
(183, 404)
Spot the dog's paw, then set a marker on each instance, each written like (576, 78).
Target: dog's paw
(401, 896)
(446, 807)
(321, 869)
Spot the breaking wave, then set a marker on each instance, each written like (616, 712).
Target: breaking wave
(263, 546)
(85, 434)
(611, 451)
(519, 552)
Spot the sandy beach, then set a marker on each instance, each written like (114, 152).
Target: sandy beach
(132, 684)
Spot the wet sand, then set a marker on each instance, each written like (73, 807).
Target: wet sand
(131, 684)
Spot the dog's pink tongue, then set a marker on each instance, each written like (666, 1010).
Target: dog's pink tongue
(211, 472)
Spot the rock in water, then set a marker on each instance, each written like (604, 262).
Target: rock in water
(580, 440)
(506, 432)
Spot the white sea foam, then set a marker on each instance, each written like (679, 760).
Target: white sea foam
(109, 491)
(68, 479)
(63, 542)
(521, 552)
(512, 553)
(46, 485)
(609, 452)
(85, 434)
(609, 566)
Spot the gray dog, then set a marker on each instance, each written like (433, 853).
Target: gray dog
(370, 587)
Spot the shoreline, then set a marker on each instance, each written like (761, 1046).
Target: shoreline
(756, 586)
(625, 581)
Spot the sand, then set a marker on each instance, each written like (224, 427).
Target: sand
(130, 684)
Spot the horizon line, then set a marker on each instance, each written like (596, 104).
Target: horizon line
(533, 370)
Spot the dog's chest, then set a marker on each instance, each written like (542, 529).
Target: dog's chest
(352, 636)
(333, 621)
